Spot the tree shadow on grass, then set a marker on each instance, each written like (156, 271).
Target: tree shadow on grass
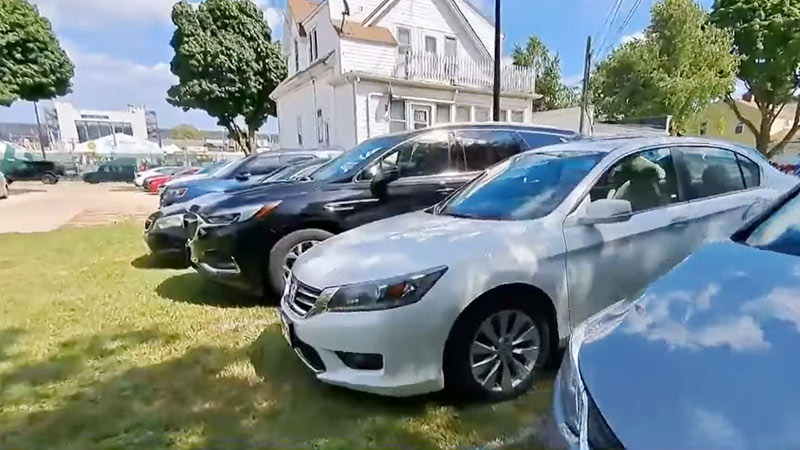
(169, 261)
(192, 288)
(8, 337)
(209, 397)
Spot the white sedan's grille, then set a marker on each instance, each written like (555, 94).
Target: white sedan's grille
(301, 298)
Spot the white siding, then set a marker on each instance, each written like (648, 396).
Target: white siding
(368, 57)
(359, 9)
(343, 124)
(327, 37)
(430, 18)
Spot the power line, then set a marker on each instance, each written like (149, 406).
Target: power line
(608, 23)
(621, 28)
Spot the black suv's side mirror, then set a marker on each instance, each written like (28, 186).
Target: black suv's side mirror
(243, 176)
(380, 181)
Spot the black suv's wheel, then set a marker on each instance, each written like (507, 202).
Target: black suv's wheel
(49, 178)
(286, 251)
(494, 350)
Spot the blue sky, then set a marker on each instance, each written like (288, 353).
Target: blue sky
(121, 48)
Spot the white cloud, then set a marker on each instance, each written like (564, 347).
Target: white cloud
(632, 37)
(98, 14)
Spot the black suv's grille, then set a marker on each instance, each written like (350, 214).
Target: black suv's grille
(301, 298)
(190, 224)
(599, 433)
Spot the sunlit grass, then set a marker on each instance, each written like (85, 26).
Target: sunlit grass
(98, 352)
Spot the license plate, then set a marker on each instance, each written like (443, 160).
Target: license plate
(286, 329)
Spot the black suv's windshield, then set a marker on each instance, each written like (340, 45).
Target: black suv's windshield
(358, 155)
(526, 187)
(780, 232)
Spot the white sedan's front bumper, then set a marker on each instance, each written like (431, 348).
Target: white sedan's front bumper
(410, 341)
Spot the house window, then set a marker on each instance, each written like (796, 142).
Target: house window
(403, 41)
(320, 124)
(739, 128)
(300, 131)
(518, 116)
(421, 116)
(296, 56)
(442, 113)
(397, 116)
(481, 114)
(703, 128)
(450, 47)
(327, 135)
(313, 48)
(430, 45)
(504, 115)
(463, 114)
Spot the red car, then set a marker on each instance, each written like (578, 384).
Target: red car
(153, 184)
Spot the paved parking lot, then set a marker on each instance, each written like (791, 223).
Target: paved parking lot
(34, 207)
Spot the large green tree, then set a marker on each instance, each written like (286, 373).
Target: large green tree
(226, 64)
(555, 94)
(767, 37)
(681, 65)
(33, 66)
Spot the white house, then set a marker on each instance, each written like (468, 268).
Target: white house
(363, 68)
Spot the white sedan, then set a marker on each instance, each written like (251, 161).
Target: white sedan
(477, 292)
(3, 186)
(139, 177)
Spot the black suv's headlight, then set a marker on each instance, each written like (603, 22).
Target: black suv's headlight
(175, 193)
(383, 294)
(241, 214)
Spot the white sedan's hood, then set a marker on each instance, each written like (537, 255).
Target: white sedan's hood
(403, 245)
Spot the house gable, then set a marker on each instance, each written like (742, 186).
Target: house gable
(440, 16)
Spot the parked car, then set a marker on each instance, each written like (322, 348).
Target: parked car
(139, 177)
(249, 171)
(31, 167)
(111, 172)
(252, 238)
(3, 186)
(706, 357)
(156, 184)
(477, 292)
(164, 231)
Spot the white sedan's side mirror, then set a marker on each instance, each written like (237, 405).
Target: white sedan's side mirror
(606, 211)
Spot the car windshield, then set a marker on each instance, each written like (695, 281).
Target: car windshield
(780, 232)
(229, 168)
(526, 187)
(357, 156)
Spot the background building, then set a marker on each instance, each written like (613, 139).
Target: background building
(74, 126)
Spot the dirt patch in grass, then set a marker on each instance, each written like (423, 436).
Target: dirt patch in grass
(98, 353)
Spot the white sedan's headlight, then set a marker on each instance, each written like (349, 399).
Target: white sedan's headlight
(383, 294)
(174, 221)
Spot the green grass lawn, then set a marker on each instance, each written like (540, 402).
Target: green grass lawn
(98, 352)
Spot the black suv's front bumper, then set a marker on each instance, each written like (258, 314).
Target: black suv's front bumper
(236, 254)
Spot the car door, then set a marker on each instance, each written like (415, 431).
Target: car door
(426, 175)
(609, 262)
(714, 184)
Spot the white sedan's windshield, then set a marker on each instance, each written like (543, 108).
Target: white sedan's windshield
(526, 187)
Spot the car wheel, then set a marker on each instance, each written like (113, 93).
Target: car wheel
(4, 191)
(494, 350)
(49, 178)
(286, 251)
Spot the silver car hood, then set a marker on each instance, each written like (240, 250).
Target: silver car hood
(707, 358)
(403, 245)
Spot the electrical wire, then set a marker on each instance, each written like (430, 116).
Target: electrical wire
(608, 23)
(621, 28)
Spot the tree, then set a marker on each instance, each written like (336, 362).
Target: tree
(226, 64)
(681, 65)
(767, 37)
(186, 132)
(555, 94)
(33, 66)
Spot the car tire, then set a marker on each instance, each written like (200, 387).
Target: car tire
(468, 333)
(49, 178)
(5, 192)
(302, 240)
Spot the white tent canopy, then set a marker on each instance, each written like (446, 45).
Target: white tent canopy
(119, 145)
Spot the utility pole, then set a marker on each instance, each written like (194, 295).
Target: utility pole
(497, 52)
(585, 91)
(39, 128)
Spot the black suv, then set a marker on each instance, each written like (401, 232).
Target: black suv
(252, 238)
